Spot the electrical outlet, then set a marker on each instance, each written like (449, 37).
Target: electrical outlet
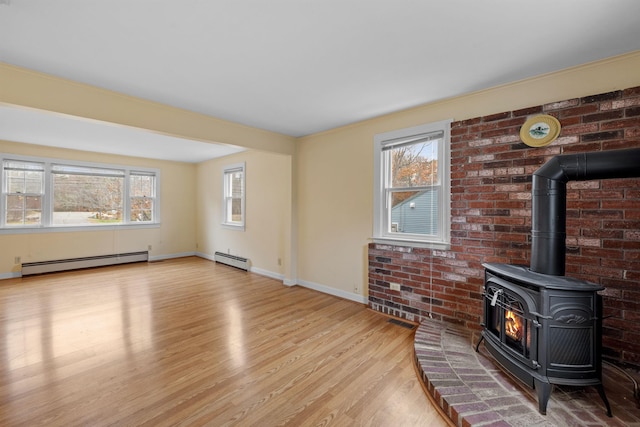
(394, 286)
(149, 247)
(17, 260)
(356, 290)
(279, 261)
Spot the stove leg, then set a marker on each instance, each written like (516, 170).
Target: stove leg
(544, 392)
(600, 389)
(479, 342)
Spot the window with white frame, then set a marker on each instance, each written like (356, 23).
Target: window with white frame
(234, 195)
(412, 186)
(142, 190)
(23, 193)
(46, 193)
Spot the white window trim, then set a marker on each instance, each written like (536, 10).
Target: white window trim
(47, 206)
(380, 232)
(228, 169)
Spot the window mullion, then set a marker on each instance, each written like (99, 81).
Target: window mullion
(3, 191)
(47, 197)
(126, 202)
(416, 188)
(3, 202)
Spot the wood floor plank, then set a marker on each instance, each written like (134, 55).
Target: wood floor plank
(188, 342)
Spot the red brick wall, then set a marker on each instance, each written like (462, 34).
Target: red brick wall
(491, 220)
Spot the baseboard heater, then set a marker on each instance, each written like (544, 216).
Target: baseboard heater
(29, 268)
(232, 260)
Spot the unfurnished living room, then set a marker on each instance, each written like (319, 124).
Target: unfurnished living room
(320, 213)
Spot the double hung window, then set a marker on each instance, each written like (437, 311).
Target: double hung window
(411, 194)
(142, 190)
(234, 195)
(23, 190)
(47, 193)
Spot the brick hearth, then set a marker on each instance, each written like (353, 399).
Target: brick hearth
(472, 391)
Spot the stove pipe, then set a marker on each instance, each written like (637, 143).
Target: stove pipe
(549, 198)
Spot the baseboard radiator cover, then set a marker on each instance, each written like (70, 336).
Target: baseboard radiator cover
(41, 267)
(232, 260)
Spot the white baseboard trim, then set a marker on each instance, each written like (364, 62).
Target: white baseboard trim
(333, 291)
(171, 256)
(256, 270)
(304, 283)
(205, 256)
(12, 275)
(267, 273)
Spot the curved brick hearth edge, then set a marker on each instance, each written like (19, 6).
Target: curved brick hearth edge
(471, 390)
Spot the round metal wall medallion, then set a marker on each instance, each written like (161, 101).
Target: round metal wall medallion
(539, 131)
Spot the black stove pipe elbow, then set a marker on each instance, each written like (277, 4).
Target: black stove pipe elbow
(549, 199)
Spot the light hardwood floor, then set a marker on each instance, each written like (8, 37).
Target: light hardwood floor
(189, 342)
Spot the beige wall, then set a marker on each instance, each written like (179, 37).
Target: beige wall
(176, 234)
(335, 178)
(266, 239)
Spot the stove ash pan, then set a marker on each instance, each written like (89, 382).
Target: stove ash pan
(543, 329)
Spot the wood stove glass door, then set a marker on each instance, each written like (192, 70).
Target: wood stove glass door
(507, 320)
(517, 329)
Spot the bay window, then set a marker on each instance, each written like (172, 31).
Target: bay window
(46, 193)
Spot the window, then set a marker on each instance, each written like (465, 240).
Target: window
(233, 203)
(412, 186)
(86, 195)
(48, 193)
(143, 195)
(23, 191)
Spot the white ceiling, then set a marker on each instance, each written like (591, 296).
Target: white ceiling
(302, 66)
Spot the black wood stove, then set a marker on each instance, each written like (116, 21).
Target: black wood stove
(541, 326)
(543, 329)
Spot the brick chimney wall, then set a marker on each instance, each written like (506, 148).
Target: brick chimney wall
(491, 171)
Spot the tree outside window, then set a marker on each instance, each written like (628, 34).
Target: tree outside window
(142, 194)
(413, 187)
(87, 196)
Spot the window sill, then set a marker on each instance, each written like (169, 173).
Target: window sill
(68, 229)
(233, 226)
(411, 243)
